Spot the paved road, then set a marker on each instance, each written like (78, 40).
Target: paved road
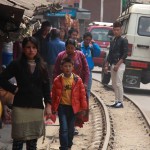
(140, 97)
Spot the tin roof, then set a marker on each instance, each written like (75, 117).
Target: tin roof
(29, 6)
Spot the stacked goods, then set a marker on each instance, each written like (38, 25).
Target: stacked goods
(68, 21)
(71, 23)
(75, 25)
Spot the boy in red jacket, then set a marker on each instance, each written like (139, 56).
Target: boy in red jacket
(68, 98)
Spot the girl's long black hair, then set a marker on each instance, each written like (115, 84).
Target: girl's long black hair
(40, 64)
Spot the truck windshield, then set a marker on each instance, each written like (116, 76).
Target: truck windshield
(100, 34)
(144, 26)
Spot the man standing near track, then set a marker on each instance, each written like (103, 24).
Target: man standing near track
(116, 58)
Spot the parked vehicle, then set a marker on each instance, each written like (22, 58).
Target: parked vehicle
(136, 28)
(100, 32)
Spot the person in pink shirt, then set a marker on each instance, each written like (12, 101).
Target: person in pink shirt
(80, 63)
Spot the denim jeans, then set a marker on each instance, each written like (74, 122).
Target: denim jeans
(66, 121)
(89, 85)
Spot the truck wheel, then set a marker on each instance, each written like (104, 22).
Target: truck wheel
(145, 77)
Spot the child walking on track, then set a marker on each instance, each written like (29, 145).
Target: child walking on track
(68, 98)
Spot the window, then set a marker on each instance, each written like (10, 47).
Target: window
(144, 26)
(100, 34)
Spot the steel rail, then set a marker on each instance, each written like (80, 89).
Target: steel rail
(136, 105)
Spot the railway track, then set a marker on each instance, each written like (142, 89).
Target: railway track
(94, 133)
(108, 128)
(129, 128)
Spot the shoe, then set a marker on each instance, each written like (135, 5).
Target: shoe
(118, 105)
(113, 105)
(76, 132)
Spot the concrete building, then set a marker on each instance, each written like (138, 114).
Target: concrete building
(102, 10)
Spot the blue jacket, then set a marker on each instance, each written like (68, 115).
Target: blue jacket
(93, 50)
(55, 47)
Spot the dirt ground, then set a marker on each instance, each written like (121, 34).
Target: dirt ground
(130, 130)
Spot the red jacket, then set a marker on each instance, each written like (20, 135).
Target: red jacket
(80, 65)
(78, 96)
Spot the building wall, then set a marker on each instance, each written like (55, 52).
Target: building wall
(111, 10)
(94, 6)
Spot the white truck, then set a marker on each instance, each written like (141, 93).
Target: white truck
(136, 28)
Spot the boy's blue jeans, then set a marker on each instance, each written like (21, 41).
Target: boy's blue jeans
(66, 121)
(89, 85)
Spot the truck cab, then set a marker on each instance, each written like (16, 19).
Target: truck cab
(136, 28)
(135, 22)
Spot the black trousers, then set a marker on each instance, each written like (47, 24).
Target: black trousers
(30, 144)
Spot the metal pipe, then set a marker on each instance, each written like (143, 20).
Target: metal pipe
(80, 4)
(102, 10)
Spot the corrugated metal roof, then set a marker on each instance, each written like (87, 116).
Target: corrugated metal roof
(28, 5)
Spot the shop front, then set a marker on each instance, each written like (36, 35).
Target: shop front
(67, 18)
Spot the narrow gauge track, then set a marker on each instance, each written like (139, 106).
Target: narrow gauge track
(95, 133)
(129, 128)
(108, 128)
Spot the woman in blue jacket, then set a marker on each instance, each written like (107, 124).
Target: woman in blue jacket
(90, 50)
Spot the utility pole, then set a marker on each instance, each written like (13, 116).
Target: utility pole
(121, 6)
(102, 10)
(80, 4)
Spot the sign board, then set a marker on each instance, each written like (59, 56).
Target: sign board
(70, 11)
(83, 15)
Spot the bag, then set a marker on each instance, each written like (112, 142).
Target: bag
(6, 97)
(50, 119)
(106, 78)
(82, 117)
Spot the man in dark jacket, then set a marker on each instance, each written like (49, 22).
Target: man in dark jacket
(55, 47)
(116, 58)
(43, 38)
